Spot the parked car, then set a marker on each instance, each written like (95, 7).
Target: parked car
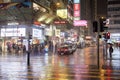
(66, 49)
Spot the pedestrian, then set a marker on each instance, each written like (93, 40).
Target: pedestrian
(110, 50)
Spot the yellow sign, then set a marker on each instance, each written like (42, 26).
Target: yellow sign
(62, 13)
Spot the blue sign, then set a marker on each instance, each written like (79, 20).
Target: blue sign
(76, 1)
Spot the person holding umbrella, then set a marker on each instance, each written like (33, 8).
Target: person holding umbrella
(110, 50)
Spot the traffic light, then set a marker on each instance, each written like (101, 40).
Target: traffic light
(95, 26)
(102, 22)
(108, 35)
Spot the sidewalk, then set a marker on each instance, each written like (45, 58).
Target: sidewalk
(116, 54)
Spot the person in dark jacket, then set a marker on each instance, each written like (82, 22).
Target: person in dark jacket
(110, 50)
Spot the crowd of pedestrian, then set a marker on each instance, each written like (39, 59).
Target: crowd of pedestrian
(20, 48)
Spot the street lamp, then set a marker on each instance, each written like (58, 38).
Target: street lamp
(58, 4)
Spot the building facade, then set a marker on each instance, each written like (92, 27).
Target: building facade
(114, 20)
(114, 16)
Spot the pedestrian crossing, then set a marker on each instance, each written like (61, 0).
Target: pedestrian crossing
(53, 67)
(58, 73)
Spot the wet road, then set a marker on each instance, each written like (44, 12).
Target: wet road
(82, 65)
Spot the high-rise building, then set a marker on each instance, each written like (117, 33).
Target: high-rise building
(87, 14)
(114, 16)
(92, 10)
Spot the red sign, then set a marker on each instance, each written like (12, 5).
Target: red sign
(76, 7)
(37, 23)
(76, 13)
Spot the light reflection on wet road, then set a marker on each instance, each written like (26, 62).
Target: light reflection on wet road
(54, 67)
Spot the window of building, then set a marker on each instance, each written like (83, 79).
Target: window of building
(114, 9)
(114, 2)
(116, 15)
(116, 21)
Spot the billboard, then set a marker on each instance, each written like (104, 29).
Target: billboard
(76, 7)
(37, 33)
(13, 32)
(76, 1)
(80, 23)
(57, 32)
(62, 13)
(76, 13)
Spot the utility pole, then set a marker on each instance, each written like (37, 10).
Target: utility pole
(98, 53)
(28, 52)
(98, 33)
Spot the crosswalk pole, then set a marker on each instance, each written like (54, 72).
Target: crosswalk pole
(28, 52)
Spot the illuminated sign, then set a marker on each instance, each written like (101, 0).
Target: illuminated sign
(88, 37)
(76, 1)
(49, 19)
(37, 33)
(60, 22)
(76, 7)
(62, 13)
(6, 1)
(37, 23)
(80, 23)
(13, 23)
(76, 10)
(76, 18)
(13, 32)
(77, 21)
(57, 32)
(48, 31)
(76, 13)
